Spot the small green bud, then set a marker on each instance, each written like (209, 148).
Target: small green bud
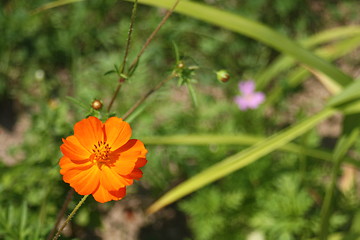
(222, 76)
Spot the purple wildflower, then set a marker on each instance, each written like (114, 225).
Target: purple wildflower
(249, 99)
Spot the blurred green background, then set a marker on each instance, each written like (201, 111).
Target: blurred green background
(66, 51)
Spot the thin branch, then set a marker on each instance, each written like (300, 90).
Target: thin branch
(136, 60)
(69, 217)
(127, 48)
(131, 28)
(53, 4)
(152, 35)
(147, 95)
(115, 93)
(61, 213)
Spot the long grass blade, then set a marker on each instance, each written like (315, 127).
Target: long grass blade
(244, 140)
(347, 39)
(54, 4)
(239, 160)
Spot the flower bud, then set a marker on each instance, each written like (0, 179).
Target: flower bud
(96, 104)
(180, 65)
(222, 76)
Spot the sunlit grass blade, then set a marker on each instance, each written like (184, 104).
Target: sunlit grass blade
(256, 31)
(284, 62)
(295, 77)
(239, 160)
(330, 85)
(245, 140)
(54, 4)
(332, 34)
(348, 95)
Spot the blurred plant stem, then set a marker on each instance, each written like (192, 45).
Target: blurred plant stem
(148, 94)
(342, 146)
(152, 35)
(146, 44)
(69, 217)
(61, 213)
(53, 5)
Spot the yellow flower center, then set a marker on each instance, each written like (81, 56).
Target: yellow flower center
(101, 152)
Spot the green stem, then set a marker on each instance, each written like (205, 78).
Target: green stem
(132, 21)
(342, 146)
(136, 60)
(127, 48)
(326, 208)
(148, 94)
(152, 35)
(61, 213)
(69, 217)
(303, 157)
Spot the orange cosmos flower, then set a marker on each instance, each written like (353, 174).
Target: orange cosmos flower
(101, 159)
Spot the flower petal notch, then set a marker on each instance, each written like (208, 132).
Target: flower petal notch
(101, 159)
(249, 99)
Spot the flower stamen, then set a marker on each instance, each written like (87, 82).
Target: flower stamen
(101, 152)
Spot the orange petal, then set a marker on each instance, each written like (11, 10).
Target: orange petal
(135, 174)
(119, 194)
(73, 149)
(88, 132)
(67, 164)
(69, 174)
(117, 132)
(112, 181)
(128, 156)
(124, 166)
(85, 181)
(133, 146)
(102, 195)
(140, 162)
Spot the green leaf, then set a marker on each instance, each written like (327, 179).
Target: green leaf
(23, 220)
(284, 62)
(110, 72)
(54, 4)
(295, 77)
(239, 160)
(77, 102)
(176, 51)
(192, 94)
(330, 85)
(246, 140)
(348, 95)
(256, 31)
(332, 34)
(132, 69)
(246, 157)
